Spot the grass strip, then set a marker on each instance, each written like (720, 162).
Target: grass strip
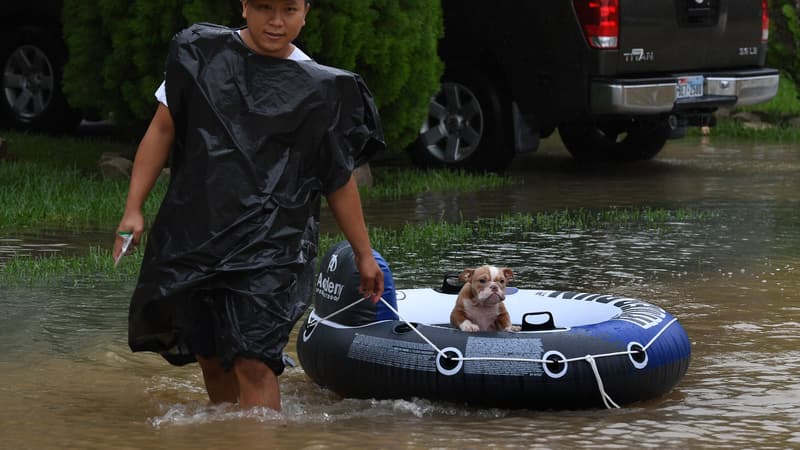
(786, 102)
(731, 129)
(34, 195)
(81, 154)
(776, 112)
(418, 240)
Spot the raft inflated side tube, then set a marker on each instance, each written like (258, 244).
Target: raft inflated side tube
(581, 351)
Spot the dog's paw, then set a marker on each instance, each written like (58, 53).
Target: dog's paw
(514, 328)
(469, 327)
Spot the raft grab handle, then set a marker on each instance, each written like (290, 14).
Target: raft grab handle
(538, 321)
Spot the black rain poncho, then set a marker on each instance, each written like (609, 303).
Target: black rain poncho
(258, 141)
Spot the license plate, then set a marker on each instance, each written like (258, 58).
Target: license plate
(689, 87)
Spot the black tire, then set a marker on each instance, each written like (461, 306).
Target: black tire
(465, 128)
(633, 139)
(32, 62)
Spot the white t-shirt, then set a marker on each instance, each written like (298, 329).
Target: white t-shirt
(296, 55)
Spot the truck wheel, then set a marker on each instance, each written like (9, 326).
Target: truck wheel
(615, 140)
(31, 61)
(465, 126)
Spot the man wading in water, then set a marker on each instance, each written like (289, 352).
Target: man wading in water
(260, 133)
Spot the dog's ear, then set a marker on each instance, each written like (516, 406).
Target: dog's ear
(508, 273)
(466, 275)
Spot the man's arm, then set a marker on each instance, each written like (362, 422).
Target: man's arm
(345, 203)
(151, 156)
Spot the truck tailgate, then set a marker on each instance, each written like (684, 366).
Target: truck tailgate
(688, 35)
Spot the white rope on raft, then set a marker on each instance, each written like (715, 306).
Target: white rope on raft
(591, 359)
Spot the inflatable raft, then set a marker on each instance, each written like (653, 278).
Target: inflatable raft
(575, 350)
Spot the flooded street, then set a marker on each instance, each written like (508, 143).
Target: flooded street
(732, 278)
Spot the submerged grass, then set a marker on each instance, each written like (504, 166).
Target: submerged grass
(95, 265)
(398, 183)
(52, 183)
(434, 235)
(426, 239)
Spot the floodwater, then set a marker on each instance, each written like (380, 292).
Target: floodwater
(67, 378)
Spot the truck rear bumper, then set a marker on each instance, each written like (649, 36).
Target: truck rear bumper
(642, 96)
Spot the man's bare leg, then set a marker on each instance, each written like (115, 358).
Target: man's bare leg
(258, 385)
(222, 386)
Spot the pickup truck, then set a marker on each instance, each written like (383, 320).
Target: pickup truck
(616, 78)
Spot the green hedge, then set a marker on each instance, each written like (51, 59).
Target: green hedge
(784, 37)
(393, 45)
(117, 51)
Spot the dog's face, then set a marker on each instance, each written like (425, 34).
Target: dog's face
(488, 284)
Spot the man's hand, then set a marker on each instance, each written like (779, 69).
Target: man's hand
(371, 277)
(132, 222)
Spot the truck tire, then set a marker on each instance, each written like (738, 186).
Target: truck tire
(465, 128)
(32, 60)
(615, 140)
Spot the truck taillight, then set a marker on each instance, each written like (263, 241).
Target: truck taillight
(764, 21)
(600, 21)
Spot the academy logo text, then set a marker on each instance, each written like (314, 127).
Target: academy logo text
(329, 289)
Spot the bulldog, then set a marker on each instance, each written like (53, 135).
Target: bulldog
(479, 306)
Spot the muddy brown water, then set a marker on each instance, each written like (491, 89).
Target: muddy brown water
(68, 380)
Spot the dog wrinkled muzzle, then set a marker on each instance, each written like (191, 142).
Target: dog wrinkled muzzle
(493, 299)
